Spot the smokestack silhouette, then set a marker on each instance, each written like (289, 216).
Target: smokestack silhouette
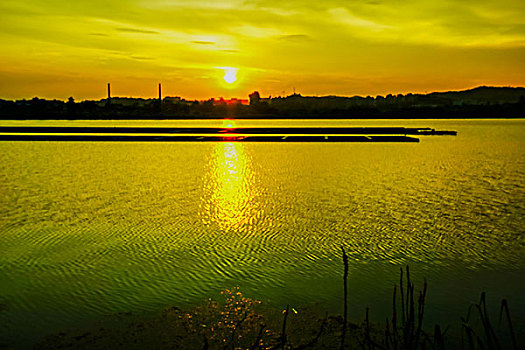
(160, 93)
(109, 92)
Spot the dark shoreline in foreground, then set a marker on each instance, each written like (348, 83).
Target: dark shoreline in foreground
(238, 322)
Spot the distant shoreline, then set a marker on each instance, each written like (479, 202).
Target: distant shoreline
(482, 102)
(175, 118)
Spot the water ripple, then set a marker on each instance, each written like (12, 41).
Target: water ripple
(89, 228)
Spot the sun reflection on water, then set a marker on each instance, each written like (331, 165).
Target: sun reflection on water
(229, 196)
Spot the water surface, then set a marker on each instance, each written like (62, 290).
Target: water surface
(89, 229)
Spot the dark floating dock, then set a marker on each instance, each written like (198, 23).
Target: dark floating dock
(197, 138)
(197, 134)
(257, 130)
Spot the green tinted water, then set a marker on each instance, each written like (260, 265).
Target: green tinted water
(89, 229)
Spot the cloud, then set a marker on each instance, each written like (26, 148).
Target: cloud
(185, 4)
(230, 51)
(333, 36)
(141, 58)
(255, 31)
(295, 37)
(137, 31)
(344, 16)
(202, 42)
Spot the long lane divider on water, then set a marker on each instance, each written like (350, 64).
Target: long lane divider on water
(197, 134)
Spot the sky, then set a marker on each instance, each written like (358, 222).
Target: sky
(198, 49)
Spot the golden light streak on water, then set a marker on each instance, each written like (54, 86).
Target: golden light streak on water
(229, 203)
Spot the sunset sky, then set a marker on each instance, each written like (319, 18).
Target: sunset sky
(62, 48)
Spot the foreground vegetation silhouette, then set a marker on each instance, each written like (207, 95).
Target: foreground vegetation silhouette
(239, 322)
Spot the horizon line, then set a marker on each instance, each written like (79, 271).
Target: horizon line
(295, 93)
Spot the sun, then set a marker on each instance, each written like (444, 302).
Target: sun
(230, 74)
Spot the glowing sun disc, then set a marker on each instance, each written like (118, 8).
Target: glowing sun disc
(230, 75)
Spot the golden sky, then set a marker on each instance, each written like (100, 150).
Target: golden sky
(62, 48)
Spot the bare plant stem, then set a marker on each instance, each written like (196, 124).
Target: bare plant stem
(345, 295)
(283, 332)
(505, 306)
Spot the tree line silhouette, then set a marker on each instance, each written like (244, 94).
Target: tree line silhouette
(481, 102)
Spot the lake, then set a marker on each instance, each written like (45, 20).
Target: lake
(89, 229)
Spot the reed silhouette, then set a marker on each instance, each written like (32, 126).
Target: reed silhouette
(240, 323)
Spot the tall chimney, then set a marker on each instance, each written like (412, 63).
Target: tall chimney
(109, 92)
(160, 93)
